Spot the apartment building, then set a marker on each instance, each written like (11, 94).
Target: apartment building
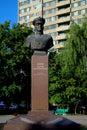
(57, 13)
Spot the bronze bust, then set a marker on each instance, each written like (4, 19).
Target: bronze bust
(40, 43)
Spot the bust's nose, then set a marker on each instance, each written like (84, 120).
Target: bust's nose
(39, 25)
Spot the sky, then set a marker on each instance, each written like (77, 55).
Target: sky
(8, 11)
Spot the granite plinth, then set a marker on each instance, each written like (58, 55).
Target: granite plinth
(39, 79)
(40, 120)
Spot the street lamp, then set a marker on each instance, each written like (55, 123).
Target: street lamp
(42, 8)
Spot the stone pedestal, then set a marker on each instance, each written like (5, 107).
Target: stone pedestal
(39, 89)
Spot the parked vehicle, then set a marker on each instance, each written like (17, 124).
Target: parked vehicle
(13, 107)
(2, 105)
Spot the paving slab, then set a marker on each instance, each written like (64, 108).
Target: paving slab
(81, 119)
(5, 118)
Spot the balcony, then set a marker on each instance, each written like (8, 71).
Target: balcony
(61, 3)
(63, 19)
(57, 46)
(60, 37)
(63, 28)
(63, 11)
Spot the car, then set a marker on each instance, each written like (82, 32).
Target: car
(13, 107)
(2, 105)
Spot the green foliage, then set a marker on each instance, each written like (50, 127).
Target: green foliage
(14, 56)
(75, 52)
(10, 90)
(68, 70)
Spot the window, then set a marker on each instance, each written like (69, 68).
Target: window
(53, 18)
(24, 10)
(21, 18)
(47, 4)
(50, 11)
(53, 10)
(76, 21)
(22, 3)
(24, 18)
(83, 2)
(47, 19)
(32, 1)
(62, 33)
(27, 9)
(27, 1)
(27, 24)
(37, 6)
(27, 17)
(82, 20)
(62, 41)
(21, 11)
(46, 12)
(75, 5)
(54, 34)
(55, 42)
(83, 11)
(52, 26)
(53, 2)
(75, 13)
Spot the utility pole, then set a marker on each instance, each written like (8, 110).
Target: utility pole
(70, 12)
(42, 8)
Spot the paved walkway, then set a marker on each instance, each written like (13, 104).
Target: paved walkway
(5, 118)
(81, 119)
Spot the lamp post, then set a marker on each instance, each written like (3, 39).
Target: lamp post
(42, 8)
(70, 12)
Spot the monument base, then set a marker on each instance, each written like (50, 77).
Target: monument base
(39, 84)
(40, 120)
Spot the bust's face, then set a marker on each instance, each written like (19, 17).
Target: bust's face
(39, 26)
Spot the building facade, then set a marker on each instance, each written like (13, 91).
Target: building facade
(57, 13)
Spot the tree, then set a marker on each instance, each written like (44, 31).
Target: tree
(14, 56)
(75, 51)
(55, 88)
(75, 63)
(69, 70)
